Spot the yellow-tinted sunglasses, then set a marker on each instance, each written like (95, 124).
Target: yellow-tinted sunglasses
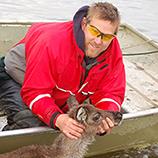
(95, 32)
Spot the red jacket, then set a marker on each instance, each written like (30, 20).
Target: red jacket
(54, 70)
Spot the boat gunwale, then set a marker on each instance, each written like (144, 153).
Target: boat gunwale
(27, 131)
(124, 25)
(140, 34)
(35, 130)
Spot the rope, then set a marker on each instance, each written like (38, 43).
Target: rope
(141, 53)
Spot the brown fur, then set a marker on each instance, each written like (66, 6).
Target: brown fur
(63, 147)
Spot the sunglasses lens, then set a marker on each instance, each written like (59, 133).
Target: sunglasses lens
(96, 33)
(107, 37)
(93, 31)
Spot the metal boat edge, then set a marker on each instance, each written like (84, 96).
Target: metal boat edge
(37, 130)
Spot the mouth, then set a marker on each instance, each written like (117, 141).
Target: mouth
(94, 46)
(93, 50)
(118, 123)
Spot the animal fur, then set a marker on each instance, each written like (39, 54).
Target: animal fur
(63, 147)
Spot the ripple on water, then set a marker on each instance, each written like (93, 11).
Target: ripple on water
(147, 152)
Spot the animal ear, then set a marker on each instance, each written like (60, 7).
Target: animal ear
(81, 114)
(71, 101)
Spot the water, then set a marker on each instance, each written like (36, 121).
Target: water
(148, 152)
(142, 14)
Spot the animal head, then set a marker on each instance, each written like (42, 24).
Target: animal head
(91, 116)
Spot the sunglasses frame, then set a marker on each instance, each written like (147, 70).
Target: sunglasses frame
(101, 34)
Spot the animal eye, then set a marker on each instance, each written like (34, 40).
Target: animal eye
(97, 116)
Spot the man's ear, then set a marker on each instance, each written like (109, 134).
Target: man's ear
(71, 101)
(83, 23)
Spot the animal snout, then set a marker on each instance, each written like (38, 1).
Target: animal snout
(117, 117)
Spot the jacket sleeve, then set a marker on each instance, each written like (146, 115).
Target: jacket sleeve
(111, 91)
(39, 79)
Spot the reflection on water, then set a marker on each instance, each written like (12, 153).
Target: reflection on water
(148, 152)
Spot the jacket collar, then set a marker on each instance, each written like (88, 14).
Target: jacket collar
(78, 33)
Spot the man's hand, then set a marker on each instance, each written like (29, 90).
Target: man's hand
(69, 126)
(106, 127)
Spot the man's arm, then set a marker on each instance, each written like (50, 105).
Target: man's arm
(38, 85)
(110, 95)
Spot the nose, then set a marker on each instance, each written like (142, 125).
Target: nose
(118, 115)
(98, 40)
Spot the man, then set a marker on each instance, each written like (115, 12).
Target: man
(80, 57)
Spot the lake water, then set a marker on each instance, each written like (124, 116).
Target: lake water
(142, 14)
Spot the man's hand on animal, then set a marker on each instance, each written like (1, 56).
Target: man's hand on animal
(74, 128)
(70, 127)
(105, 127)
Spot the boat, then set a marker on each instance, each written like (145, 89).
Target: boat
(140, 107)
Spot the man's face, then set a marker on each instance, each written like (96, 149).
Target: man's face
(95, 32)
